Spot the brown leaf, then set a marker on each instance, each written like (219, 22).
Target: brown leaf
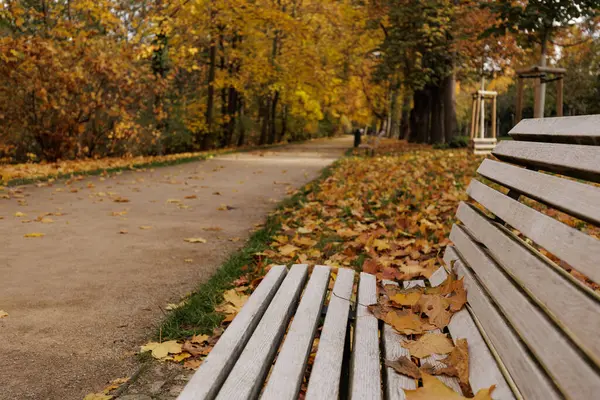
(192, 364)
(436, 308)
(195, 349)
(407, 298)
(405, 366)
(428, 344)
(457, 363)
(371, 266)
(408, 323)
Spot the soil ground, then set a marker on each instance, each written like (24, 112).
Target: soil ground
(83, 297)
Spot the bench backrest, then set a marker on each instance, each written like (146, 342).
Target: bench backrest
(525, 266)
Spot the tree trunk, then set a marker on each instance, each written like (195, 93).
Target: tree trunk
(419, 117)
(437, 128)
(394, 126)
(242, 137)
(265, 107)
(272, 117)
(405, 116)
(207, 139)
(283, 123)
(540, 88)
(450, 107)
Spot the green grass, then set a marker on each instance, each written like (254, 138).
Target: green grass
(198, 315)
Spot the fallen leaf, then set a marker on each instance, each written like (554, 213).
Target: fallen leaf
(123, 231)
(288, 249)
(162, 350)
(456, 364)
(19, 214)
(115, 384)
(196, 349)
(190, 197)
(173, 201)
(428, 344)
(371, 266)
(405, 366)
(408, 323)
(434, 389)
(436, 308)
(192, 364)
(188, 260)
(145, 227)
(213, 228)
(3, 314)
(181, 356)
(195, 240)
(34, 235)
(305, 241)
(199, 339)
(407, 298)
(236, 299)
(234, 239)
(120, 200)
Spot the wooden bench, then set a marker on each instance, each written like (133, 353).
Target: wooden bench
(532, 329)
(372, 143)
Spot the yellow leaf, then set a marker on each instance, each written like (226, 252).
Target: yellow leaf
(173, 201)
(199, 339)
(288, 249)
(97, 396)
(235, 298)
(381, 244)
(195, 240)
(406, 299)
(34, 235)
(428, 344)
(162, 350)
(407, 323)
(192, 364)
(19, 214)
(434, 389)
(188, 260)
(145, 227)
(3, 314)
(180, 357)
(305, 241)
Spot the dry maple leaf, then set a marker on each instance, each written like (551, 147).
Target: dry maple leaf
(181, 356)
(436, 309)
(145, 227)
(456, 364)
(199, 339)
(123, 231)
(236, 299)
(162, 350)
(190, 197)
(192, 364)
(121, 200)
(288, 249)
(195, 240)
(434, 389)
(428, 344)
(3, 314)
(196, 349)
(98, 396)
(408, 323)
(407, 298)
(405, 366)
(371, 266)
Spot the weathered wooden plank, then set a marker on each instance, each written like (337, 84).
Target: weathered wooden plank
(287, 374)
(395, 383)
(576, 248)
(207, 381)
(438, 277)
(483, 368)
(574, 160)
(324, 382)
(577, 199)
(365, 370)
(583, 129)
(574, 376)
(412, 284)
(247, 376)
(564, 301)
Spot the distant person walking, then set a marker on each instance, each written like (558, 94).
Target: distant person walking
(357, 134)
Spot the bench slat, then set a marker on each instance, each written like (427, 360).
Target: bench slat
(483, 369)
(573, 160)
(247, 376)
(559, 356)
(324, 382)
(577, 199)
(287, 374)
(581, 129)
(574, 247)
(206, 382)
(365, 374)
(563, 300)
(395, 383)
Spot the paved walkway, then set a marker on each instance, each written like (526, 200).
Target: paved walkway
(84, 296)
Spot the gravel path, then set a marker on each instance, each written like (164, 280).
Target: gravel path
(81, 298)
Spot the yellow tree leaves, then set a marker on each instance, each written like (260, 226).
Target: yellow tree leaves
(456, 364)
(405, 366)
(162, 350)
(3, 314)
